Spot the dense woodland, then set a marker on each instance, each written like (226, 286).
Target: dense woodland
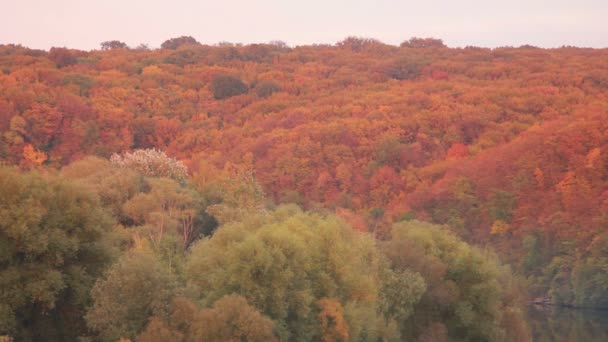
(350, 192)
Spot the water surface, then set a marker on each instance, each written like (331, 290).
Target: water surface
(567, 324)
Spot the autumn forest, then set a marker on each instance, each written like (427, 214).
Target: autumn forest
(357, 191)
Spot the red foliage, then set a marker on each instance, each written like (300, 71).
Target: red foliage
(361, 126)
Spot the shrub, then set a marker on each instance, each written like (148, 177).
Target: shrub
(113, 44)
(225, 86)
(62, 57)
(174, 43)
(266, 88)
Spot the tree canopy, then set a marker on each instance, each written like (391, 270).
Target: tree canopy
(167, 150)
(55, 240)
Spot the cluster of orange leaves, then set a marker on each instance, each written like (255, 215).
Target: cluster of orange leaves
(373, 131)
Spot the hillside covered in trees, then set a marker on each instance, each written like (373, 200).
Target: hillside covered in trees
(350, 192)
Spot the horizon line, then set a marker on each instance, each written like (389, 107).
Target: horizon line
(293, 46)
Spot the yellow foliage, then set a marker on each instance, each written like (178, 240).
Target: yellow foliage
(592, 157)
(500, 227)
(32, 156)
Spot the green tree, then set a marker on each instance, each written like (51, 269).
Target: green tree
(55, 240)
(113, 44)
(408, 67)
(114, 186)
(84, 83)
(225, 86)
(232, 319)
(283, 262)
(62, 57)
(467, 290)
(241, 195)
(590, 275)
(174, 43)
(133, 290)
(167, 210)
(170, 213)
(266, 88)
(401, 290)
(415, 42)
(501, 205)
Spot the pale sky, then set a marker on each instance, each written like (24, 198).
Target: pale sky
(83, 24)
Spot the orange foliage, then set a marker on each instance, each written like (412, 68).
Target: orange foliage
(331, 321)
(379, 131)
(32, 157)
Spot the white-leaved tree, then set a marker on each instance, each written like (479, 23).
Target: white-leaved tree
(151, 162)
